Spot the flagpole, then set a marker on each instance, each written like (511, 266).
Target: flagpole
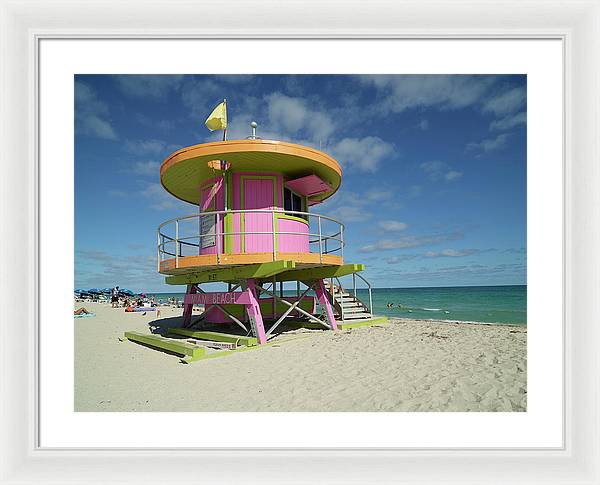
(225, 130)
(225, 188)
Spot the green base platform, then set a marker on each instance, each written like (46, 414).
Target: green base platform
(361, 323)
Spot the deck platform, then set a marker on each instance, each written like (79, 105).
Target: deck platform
(187, 264)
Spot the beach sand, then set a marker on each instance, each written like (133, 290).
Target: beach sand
(406, 365)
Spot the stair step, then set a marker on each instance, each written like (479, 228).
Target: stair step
(354, 309)
(361, 309)
(357, 316)
(350, 304)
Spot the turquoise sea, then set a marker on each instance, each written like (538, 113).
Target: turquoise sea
(493, 304)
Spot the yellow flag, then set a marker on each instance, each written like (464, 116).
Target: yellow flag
(217, 120)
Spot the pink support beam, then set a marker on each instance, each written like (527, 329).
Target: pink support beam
(187, 307)
(254, 314)
(324, 302)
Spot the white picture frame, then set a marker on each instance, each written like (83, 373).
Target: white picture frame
(24, 24)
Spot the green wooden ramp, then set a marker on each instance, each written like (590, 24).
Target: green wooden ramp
(361, 323)
(216, 336)
(156, 341)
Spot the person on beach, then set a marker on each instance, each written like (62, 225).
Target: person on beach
(81, 311)
(114, 300)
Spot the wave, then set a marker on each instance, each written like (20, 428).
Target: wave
(431, 309)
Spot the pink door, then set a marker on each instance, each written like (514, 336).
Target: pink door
(258, 194)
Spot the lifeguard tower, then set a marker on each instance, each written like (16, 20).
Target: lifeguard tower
(253, 231)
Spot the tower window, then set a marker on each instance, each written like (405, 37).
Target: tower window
(292, 202)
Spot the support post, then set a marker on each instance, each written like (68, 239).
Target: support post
(254, 314)
(274, 302)
(297, 294)
(177, 245)
(324, 302)
(187, 307)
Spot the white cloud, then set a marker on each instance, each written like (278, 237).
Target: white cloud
(349, 214)
(99, 269)
(453, 175)
(508, 122)
(293, 115)
(146, 168)
(392, 225)
(437, 170)
(402, 92)
(409, 242)
(488, 145)
(96, 126)
(450, 253)
(152, 146)
(236, 78)
(378, 195)
(506, 103)
(91, 114)
(362, 154)
(399, 259)
(161, 199)
(155, 123)
(154, 86)
(201, 96)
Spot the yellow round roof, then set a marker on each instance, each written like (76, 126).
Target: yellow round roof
(183, 172)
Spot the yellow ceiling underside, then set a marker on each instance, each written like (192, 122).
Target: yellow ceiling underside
(184, 171)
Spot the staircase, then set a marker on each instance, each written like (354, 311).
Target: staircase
(346, 305)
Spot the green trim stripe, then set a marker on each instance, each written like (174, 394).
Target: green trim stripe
(228, 219)
(259, 270)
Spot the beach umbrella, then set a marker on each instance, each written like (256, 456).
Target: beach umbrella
(126, 292)
(107, 290)
(78, 290)
(94, 291)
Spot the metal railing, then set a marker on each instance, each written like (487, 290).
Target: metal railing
(341, 290)
(370, 288)
(187, 236)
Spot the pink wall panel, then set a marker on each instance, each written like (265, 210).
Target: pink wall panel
(238, 204)
(258, 194)
(291, 243)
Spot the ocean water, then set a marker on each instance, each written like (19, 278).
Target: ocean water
(492, 304)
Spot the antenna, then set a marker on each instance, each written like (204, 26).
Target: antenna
(253, 136)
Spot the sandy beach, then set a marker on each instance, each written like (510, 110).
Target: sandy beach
(405, 365)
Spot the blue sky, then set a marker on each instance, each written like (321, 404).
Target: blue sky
(434, 184)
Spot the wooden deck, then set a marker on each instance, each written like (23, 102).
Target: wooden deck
(192, 264)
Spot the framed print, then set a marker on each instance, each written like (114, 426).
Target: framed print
(293, 253)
